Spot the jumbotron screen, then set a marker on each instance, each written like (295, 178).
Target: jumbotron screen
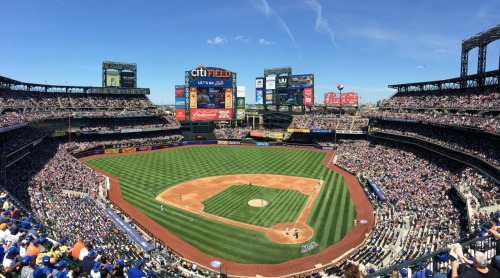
(211, 98)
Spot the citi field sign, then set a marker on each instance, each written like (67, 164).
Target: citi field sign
(204, 72)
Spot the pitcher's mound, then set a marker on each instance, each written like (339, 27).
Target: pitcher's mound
(257, 203)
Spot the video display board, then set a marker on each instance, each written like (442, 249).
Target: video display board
(113, 79)
(210, 94)
(127, 79)
(119, 75)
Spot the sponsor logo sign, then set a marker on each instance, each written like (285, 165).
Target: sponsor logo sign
(349, 98)
(259, 83)
(259, 97)
(180, 114)
(240, 102)
(202, 71)
(270, 82)
(240, 91)
(228, 98)
(240, 114)
(211, 114)
(301, 81)
(282, 82)
(308, 96)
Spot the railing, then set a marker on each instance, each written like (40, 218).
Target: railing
(487, 244)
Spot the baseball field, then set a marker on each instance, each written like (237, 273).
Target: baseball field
(205, 193)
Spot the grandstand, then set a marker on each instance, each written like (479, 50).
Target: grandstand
(427, 159)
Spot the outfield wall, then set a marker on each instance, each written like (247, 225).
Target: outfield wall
(187, 143)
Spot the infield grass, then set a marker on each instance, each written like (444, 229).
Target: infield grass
(232, 203)
(142, 175)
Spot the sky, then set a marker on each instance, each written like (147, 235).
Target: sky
(364, 45)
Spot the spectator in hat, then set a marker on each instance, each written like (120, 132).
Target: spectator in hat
(118, 269)
(60, 266)
(33, 249)
(5, 216)
(3, 230)
(99, 254)
(22, 247)
(88, 261)
(423, 272)
(10, 262)
(480, 268)
(95, 272)
(56, 248)
(64, 249)
(28, 263)
(13, 238)
(26, 225)
(77, 248)
(136, 270)
(44, 269)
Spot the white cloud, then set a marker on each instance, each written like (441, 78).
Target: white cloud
(269, 12)
(321, 24)
(217, 40)
(242, 38)
(265, 42)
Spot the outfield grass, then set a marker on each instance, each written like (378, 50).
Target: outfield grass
(232, 203)
(143, 174)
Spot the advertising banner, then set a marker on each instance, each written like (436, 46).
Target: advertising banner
(271, 82)
(112, 79)
(259, 83)
(299, 130)
(257, 134)
(349, 99)
(210, 82)
(193, 101)
(131, 130)
(240, 114)
(211, 114)
(229, 98)
(240, 91)
(128, 80)
(133, 234)
(301, 81)
(308, 96)
(259, 96)
(322, 131)
(282, 82)
(128, 150)
(262, 144)
(240, 102)
(180, 102)
(110, 151)
(179, 91)
(275, 135)
(180, 114)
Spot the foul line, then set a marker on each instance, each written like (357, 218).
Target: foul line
(191, 219)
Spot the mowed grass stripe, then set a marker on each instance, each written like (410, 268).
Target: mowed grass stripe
(232, 204)
(142, 174)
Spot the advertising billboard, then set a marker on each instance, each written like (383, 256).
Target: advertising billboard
(179, 90)
(229, 98)
(301, 81)
(259, 83)
(180, 114)
(259, 96)
(308, 96)
(211, 114)
(240, 91)
(240, 102)
(271, 82)
(240, 114)
(112, 79)
(128, 79)
(282, 82)
(193, 100)
(180, 102)
(348, 99)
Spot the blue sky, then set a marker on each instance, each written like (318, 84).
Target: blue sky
(365, 45)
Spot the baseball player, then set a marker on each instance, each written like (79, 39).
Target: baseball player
(161, 208)
(286, 230)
